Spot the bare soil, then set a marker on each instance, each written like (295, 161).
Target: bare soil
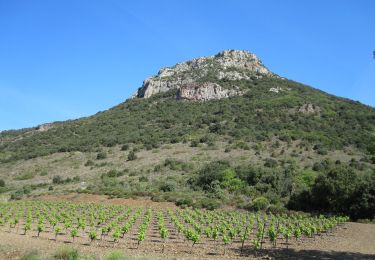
(91, 198)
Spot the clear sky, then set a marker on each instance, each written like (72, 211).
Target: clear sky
(71, 58)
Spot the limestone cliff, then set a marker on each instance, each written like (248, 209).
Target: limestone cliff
(230, 65)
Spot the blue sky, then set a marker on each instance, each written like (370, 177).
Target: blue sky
(67, 59)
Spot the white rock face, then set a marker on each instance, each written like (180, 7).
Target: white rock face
(43, 128)
(229, 64)
(232, 75)
(276, 89)
(309, 109)
(205, 91)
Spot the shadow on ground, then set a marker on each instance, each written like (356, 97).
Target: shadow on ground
(283, 253)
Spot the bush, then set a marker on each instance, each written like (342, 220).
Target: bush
(57, 179)
(132, 156)
(101, 156)
(25, 176)
(276, 209)
(115, 255)
(143, 179)
(112, 174)
(167, 187)
(211, 173)
(17, 195)
(340, 191)
(260, 203)
(33, 255)
(125, 147)
(89, 163)
(66, 253)
(271, 163)
(183, 202)
(2, 183)
(208, 203)
(194, 143)
(43, 173)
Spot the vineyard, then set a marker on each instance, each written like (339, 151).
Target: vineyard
(161, 230)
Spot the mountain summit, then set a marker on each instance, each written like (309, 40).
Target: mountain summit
(197, 79)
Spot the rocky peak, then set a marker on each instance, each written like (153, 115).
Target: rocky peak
(230, 65)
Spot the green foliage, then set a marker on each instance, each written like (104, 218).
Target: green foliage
(101, 156)
(25, 176)
(17, 195)
(132, 156)
(260, 203)
(33, 255)
(89, 163)
(57, 179)
(125, 147)
(258, 115)
(115, 255)
(66, 253)
(211, 175)
(340, 190)
(305, 179)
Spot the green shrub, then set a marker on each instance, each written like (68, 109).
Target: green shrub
(271, 163)
(17, 195)
(132, 156)
(66, 253)
(2, 183)
(115, 255)
(43, 173)
(101, 156)
(194, 143)
(25, 176)
(341, 191)
(167, 187)
(184, 202)
(33, 255)
(125, 147)
(143, 179)
(57, 179)
(208, 203)
(260, 203)
(89, 163)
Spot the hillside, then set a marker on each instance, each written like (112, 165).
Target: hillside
(215, 130)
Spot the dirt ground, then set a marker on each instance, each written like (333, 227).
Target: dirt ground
(90, 198)
(348, 241)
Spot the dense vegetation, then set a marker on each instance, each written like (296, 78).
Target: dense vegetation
(258, 115)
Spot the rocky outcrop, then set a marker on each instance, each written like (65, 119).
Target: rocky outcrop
(205, 91)
(309, 109)
(276, 89)
(44, 127)
(230, 65)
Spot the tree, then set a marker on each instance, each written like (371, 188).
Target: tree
(2, 183)
(342, 191)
